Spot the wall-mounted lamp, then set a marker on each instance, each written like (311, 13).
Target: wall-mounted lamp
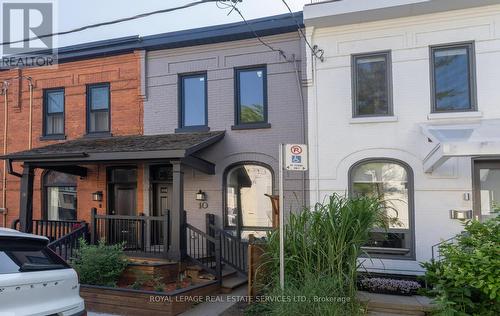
(461, 214)
(201, 196)
(97, 196)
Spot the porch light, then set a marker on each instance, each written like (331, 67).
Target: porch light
(97, 196)
(201, 196)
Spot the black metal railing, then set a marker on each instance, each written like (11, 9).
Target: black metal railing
(234, 251)
(436, 249)
(52, 229)
(140, 235)
(204, 250)
(67, 245)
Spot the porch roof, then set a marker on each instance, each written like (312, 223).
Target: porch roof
(480, 138)
(119, 148)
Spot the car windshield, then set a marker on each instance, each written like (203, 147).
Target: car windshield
(27, 261)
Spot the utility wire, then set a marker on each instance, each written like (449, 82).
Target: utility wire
(135, 17)
(318, 53)
(233, 7)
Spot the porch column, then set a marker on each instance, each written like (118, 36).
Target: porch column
(177, 249)
(26, 205)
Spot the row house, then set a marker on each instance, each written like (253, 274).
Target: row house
(142, 136)
(93, 92)
(404, 105)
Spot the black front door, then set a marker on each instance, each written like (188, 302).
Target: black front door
(124, 200)
(162, 199)
(486, 188)
(161, 207)
(122, 188)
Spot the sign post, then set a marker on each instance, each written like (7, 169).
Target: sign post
(282, 221)
(294, 159)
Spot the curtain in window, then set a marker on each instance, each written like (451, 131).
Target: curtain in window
(60, 196)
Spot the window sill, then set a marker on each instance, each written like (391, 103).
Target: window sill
(98, 135)
(373, 119)
(53, 137)
(251, 126)
(192, 129)
(454, 115)
(387, 253)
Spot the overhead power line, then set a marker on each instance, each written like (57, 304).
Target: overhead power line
(135, 17)
(317, 52)
(232, 6)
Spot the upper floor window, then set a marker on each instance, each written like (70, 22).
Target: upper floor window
(371, 84)
(98, 103)
(391, 182)
(193, 101)
(251, 96)
(53, 109)
(453, 78)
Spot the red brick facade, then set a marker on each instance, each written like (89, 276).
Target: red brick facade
(126, 110)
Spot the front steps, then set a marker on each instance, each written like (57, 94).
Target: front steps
(392, 305)
(231, 279)
(232, 283)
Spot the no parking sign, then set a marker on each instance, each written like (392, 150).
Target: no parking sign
(296, 157)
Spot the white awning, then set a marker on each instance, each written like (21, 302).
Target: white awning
(477, 139)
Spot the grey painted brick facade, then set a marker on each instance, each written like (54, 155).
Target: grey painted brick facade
(285, 112)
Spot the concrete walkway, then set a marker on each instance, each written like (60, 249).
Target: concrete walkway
(383, 304)
(216, 308)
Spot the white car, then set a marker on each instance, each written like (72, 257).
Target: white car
(34, 280)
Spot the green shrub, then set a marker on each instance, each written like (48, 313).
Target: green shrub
(322, 246)
(467, 279)
(99, 264)
(141, 279)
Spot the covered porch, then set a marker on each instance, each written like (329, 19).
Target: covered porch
(158, 230)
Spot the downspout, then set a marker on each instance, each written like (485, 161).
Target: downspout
(4, 173)
(30, 132)
(303, 124)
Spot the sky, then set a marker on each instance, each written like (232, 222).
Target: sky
(76, 13)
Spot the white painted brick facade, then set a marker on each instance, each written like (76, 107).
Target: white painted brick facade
(337, 141)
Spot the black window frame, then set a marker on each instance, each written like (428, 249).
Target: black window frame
(45, 135)
(387, 54)
(239, 228)
(470, 46)
(411, 255)
(89, 110)
(181, 99)
(237, 102)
